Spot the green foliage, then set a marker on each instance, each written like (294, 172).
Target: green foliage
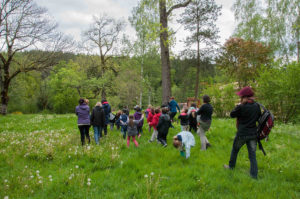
(279, 90)
(223, 98)
(45, 160)
(242, 59)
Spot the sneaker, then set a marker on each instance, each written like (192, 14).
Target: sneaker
(165, 145)
(208, 145)
(226, 166)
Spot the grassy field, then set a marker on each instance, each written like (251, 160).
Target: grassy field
(41, 157)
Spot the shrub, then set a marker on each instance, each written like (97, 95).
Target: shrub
(223, 98)
(279, 90)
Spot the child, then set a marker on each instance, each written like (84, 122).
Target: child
(137, 116)
(132, 129)
(163, 126)
(154, 123)
(123, 122)
(183, 140)
(193, 120)
(184, 119)
(150, 118)
(117, 119)
(148, 110)
(204, 122)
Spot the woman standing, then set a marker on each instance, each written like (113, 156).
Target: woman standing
(82, 111)
(98, 121)
(204, 122)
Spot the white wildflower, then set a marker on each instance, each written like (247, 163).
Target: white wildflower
(5, 197)
(146, 176)
(76, 166)
(112, 148)
(37, 171)
(70, 178)
(88, 183)
(26, 167)
(40, 181)
(5, 180)
(89, 179)
(50, 179)
(69, 156)
(50, 176)
(152, 173)
(88, 147)
(26, 186)
(31, 176)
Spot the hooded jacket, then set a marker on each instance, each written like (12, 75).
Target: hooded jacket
(83, 113)
(155, 120)
(187, 139)
(150, 117)
(164, 123)
(173, 105)
(107, 110)
(138, 116)
(98, 117)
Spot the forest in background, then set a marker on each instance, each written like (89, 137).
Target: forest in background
(42, 70)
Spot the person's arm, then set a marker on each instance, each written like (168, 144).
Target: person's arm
(177, 107)
(160, 122)
(236, 112)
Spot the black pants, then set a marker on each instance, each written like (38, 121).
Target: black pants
(193, 127)
(105, 129)
(172, 115)
(84, 132)
(162, 137)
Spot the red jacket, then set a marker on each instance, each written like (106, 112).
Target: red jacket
(150, 117)
(155, 120)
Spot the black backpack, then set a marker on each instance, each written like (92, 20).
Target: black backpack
(265, 124)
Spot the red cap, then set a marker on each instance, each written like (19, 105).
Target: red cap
(245, 92)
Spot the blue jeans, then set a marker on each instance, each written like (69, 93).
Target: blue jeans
(251, 146)
(97, 133)
(123, 131)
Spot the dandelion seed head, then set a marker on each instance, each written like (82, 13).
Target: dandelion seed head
(76, 166)
(88, 183)
(32, 176)
(146, 176)
(50, 176)
(37, 171)
(5, 197)
(50, 179)
(152, 173)
(5, 180)
(89, 179)
(40, 181)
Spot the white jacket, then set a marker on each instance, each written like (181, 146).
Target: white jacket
(188, 141)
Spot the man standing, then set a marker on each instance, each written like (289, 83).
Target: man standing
(247, 114)
(173, 105)
(107, 111)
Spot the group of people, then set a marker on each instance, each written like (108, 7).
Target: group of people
(160, 120)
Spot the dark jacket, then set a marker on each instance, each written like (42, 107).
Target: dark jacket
(107, 110)
(98, 117)
(192, 120)
(184, 119)
(83, 113)
(138, 116)
(173, 105)
(205, 112)
(247, 115)
(164, 123)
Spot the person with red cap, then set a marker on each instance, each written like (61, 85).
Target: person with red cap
(247, 114)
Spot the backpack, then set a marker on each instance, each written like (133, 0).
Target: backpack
(111, 116)
(265, 124)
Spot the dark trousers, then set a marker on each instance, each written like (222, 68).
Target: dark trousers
(251, 146)
(140, 130)
(162, 137)
(84, 132)
(193, 127)
(172, 115)
(105, 129)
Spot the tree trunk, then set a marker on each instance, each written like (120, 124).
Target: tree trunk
(164, 51)
(103, 94)
(4, 99)
(198, 64)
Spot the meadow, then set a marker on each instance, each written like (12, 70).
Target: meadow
(41, 157)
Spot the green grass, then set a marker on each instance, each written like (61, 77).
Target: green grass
(51, 145)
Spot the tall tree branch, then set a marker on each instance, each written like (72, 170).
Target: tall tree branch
(180, 5)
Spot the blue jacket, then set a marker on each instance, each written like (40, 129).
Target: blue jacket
(107, 110)
(173, 105)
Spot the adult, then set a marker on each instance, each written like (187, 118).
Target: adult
(83, 114)
(173, 106)
(107, 111)
(98, 121)
(247, 114)
(204, 122)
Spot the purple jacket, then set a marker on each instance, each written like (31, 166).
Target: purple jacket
(83, 113)
(138, 116)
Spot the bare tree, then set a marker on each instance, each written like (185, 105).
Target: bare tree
(103, 35)
(25, 26)
(164, 46)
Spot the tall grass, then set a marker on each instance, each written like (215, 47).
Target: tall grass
(41, 157)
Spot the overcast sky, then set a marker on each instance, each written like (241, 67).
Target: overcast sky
(75, 16)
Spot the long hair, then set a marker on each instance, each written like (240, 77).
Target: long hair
(131, 124)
